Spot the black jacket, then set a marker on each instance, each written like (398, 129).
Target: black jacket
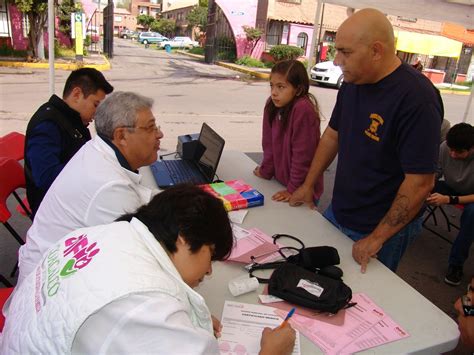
(73, 136)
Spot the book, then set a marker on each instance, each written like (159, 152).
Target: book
(236, 194)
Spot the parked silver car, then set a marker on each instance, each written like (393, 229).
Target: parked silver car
(179, 42)
(328, 74)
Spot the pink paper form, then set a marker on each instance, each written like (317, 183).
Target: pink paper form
(365, 326)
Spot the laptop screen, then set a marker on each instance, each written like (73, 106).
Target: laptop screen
(213, 145)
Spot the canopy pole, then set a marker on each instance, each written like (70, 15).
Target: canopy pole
(468, 106)
(51, 45)
(315, 38)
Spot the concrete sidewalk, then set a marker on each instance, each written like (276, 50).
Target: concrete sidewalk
(97, 61)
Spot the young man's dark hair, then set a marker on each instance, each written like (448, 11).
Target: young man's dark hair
(89, 80)
(190, 212)
(460, 137)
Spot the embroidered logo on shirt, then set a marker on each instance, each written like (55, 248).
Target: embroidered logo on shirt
(77, 254)
(375, 122)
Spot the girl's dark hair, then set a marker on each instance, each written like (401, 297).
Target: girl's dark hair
(295, 73)
(189, 211)
(460, 137)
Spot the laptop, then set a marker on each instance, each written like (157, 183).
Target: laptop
(198, 170)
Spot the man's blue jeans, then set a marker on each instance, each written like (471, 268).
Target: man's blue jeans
(393, 249)
(460, 249)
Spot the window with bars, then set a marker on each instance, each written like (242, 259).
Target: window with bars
(302, 40)
(26, 25)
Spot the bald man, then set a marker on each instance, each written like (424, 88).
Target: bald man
(385, 129)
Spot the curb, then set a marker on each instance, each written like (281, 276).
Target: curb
(235, 67)
(455, 92)
(61, 66)
(241, 69)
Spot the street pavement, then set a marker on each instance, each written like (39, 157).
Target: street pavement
(188, 92)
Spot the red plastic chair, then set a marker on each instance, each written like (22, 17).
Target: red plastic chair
(12, 146)
(11, 179)
(4, 294)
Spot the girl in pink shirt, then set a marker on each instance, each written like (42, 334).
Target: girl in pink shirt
(290, 130)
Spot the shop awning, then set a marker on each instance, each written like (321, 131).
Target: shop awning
(421, 43)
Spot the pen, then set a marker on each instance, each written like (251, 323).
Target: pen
(290, 313)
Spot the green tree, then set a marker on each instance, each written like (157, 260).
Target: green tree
(197, 17)
(146, 21)
(37, 14)
(203, 3)
(253, 35)
(165, 27)
(65, 8)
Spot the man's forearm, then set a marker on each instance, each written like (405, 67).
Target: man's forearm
(323, 157)
(466, 199)
(406, 205)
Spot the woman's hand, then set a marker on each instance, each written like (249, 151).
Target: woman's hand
(217, 326)
(282, 196)
(278, 341)
(256, 172)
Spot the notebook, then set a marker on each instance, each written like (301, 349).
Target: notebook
(235, 194)
(199, 170)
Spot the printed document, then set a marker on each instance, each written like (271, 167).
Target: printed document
(242, 326)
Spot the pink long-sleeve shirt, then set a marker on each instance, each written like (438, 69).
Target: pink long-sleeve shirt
(287, 153)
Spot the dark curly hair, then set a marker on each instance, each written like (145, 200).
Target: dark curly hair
(190, 212)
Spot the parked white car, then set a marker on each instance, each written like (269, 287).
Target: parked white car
(179, 42)
(328, 74)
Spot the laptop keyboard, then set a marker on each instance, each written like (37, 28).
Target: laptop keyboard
(182, 171)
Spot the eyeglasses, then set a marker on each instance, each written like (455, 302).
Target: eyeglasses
(149, 129)
(467, 306)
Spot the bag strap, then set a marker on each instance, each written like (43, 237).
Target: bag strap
(265, 266)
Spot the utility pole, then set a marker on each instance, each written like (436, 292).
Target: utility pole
(210, 51)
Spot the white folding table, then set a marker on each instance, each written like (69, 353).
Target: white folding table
(431, 330)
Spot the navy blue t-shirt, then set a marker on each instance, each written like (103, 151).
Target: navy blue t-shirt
(385, 130)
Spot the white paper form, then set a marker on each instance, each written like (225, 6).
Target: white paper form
(242, 326)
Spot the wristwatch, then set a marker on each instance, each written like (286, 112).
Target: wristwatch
(453, 200)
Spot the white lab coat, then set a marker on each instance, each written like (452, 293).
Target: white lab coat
(129, 298)
(93, 188)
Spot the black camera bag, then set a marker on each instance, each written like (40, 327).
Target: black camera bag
(305, 288)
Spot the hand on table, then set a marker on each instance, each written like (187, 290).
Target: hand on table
(437, 199)
(302, 195)
(282, 196)
(278, 341)
(256, 172)
(217, 326)
(365, 249)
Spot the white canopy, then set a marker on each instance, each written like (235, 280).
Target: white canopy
(457, 11)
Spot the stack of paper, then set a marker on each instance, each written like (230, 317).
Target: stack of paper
(364, 326)
(236, 194)
(252, 242)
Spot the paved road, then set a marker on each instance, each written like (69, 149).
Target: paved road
(186, 93)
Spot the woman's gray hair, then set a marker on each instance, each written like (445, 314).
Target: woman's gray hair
(120, 109)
